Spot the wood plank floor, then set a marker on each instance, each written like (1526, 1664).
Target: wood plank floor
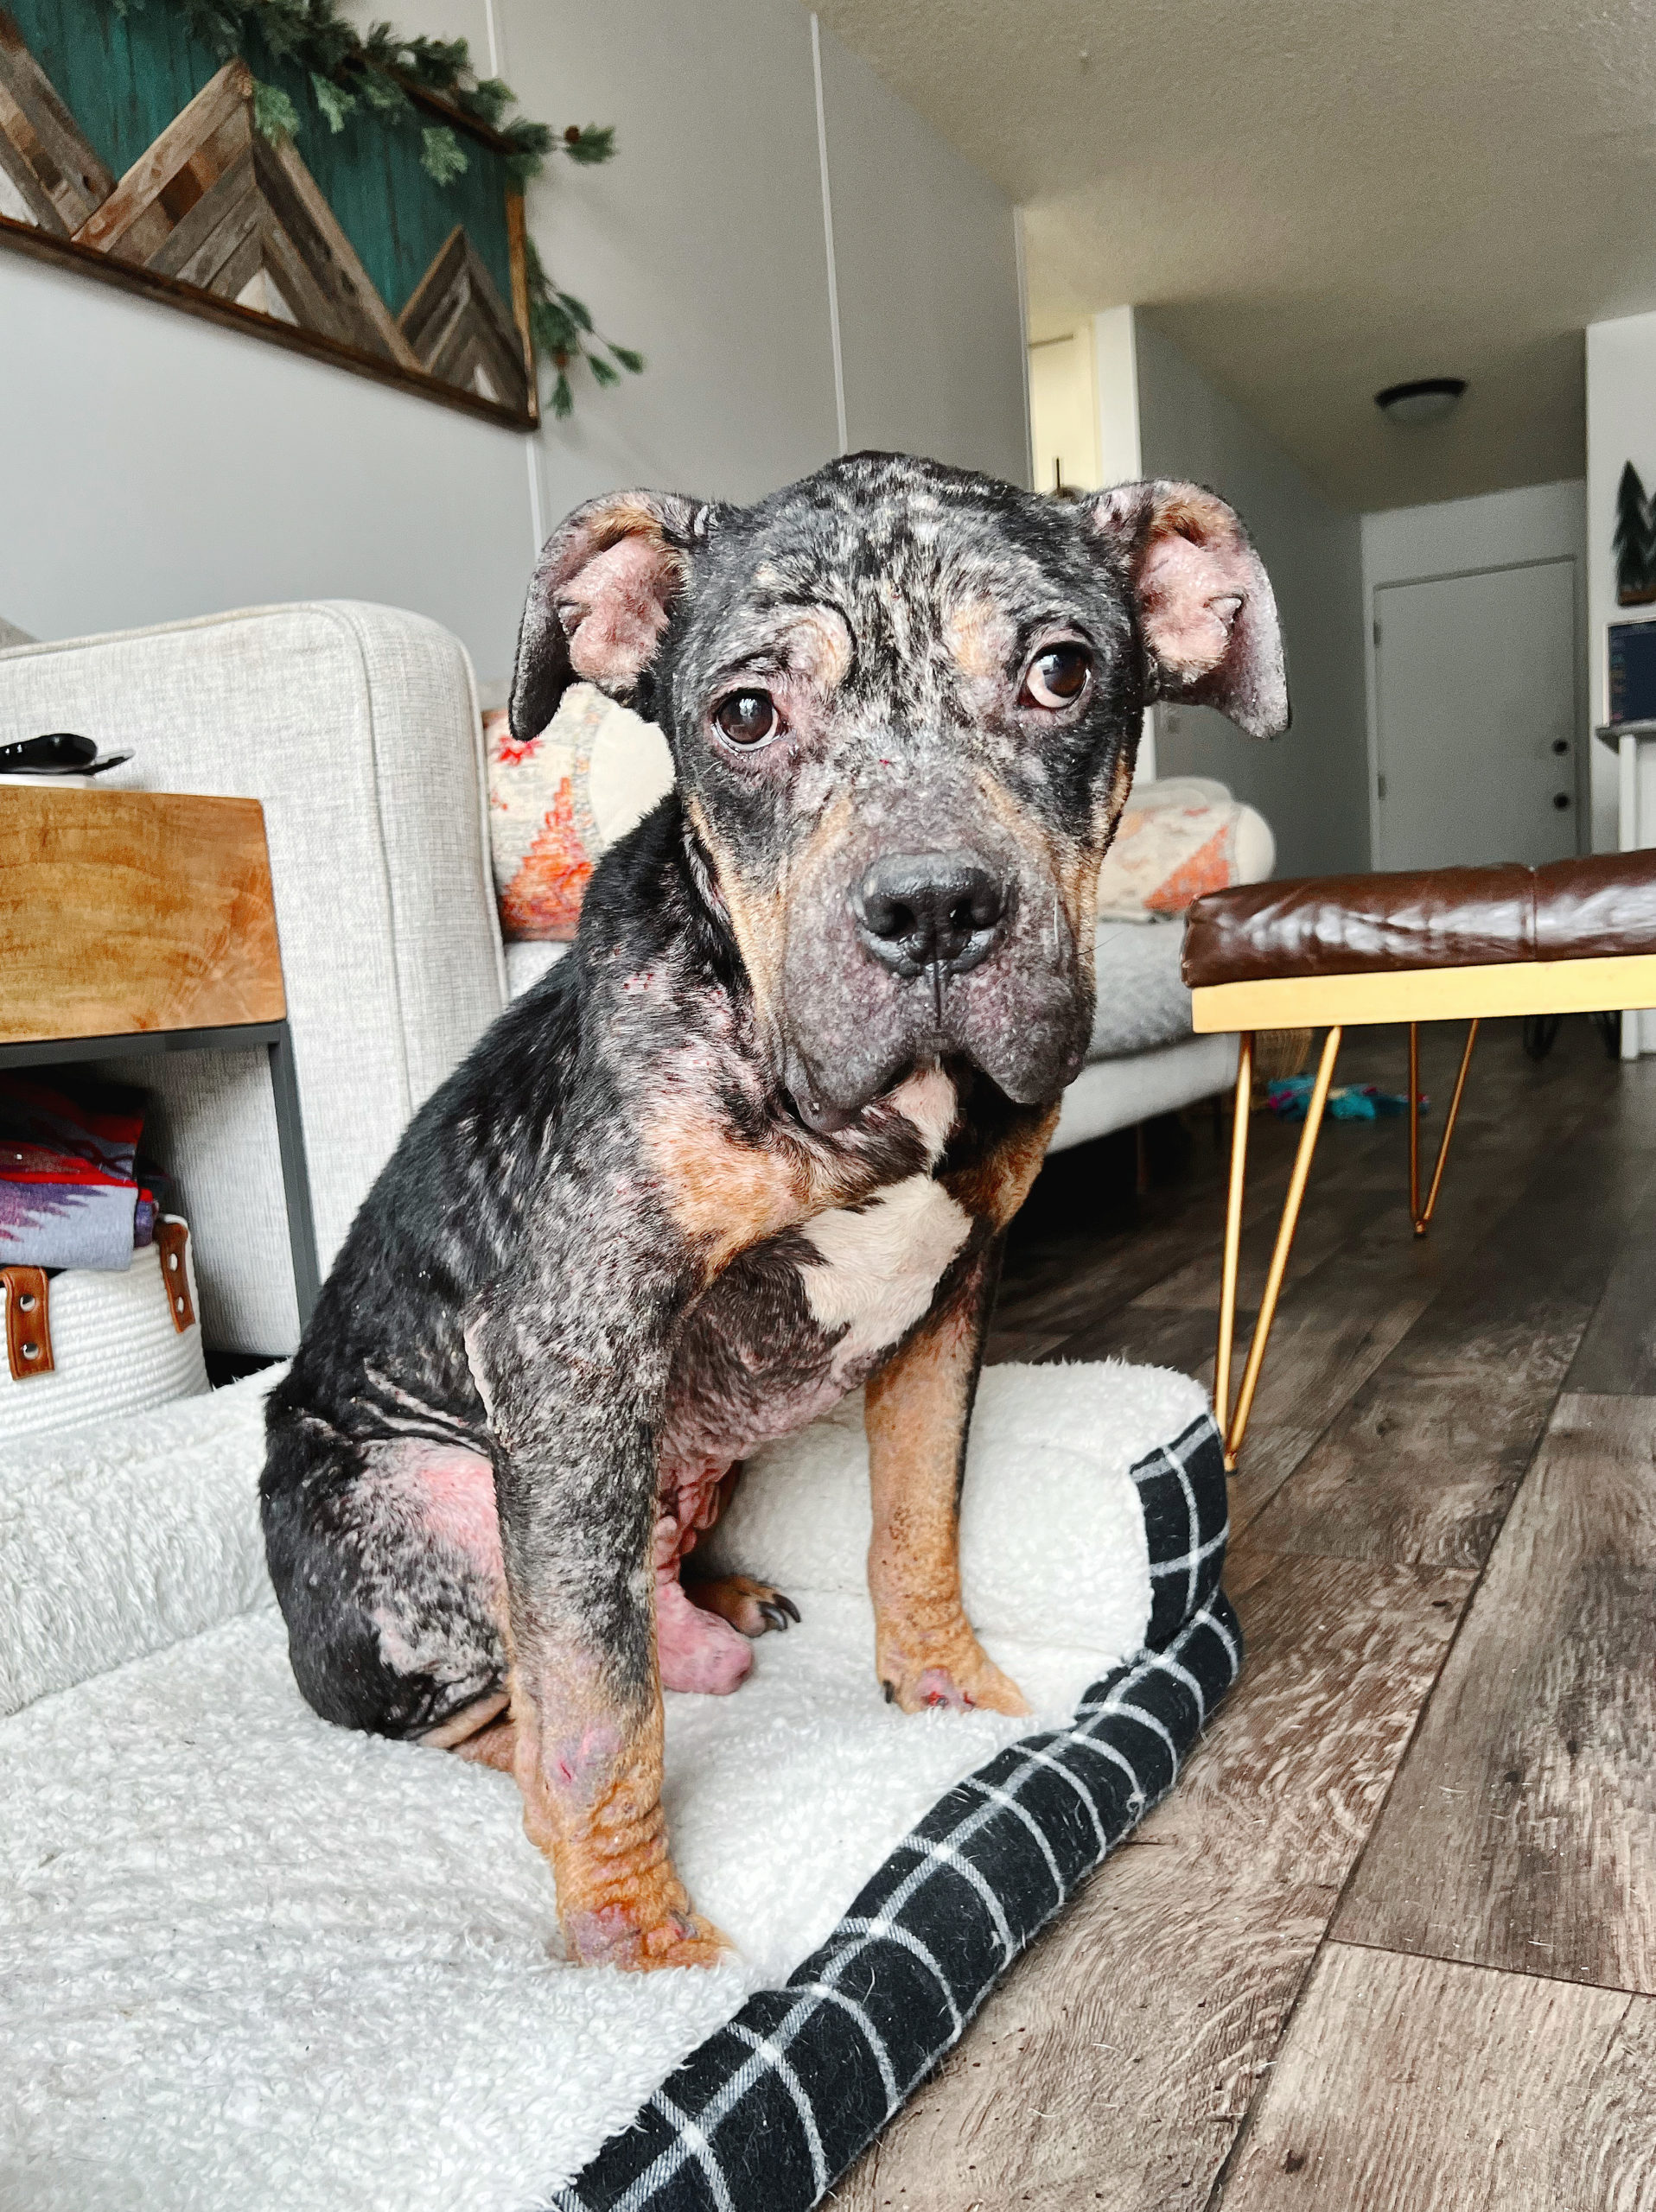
(1391, 1943)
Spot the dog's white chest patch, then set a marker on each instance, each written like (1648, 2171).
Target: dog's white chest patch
(882, 1264)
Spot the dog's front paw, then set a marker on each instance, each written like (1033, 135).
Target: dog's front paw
(943, 1668)
(613, 1936)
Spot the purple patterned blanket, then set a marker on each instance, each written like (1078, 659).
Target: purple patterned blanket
(70, 1195)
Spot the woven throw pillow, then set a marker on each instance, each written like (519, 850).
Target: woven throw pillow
(1176, 841)
(559, 801)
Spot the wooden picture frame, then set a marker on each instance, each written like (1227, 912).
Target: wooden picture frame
(355, 255)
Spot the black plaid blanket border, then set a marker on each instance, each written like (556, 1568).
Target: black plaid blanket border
(768, 2112)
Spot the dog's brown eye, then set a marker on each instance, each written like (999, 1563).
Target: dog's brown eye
(1058, 676)
(748, 717)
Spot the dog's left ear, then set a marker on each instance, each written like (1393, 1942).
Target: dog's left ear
(1206, 606)
(599, 600)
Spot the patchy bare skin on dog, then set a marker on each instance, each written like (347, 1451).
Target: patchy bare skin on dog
(754, 1143)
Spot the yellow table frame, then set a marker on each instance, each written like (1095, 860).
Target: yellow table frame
(1411, 994)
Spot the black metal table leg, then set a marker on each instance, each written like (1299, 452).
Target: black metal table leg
(296, 1180)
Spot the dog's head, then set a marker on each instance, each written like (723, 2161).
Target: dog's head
(903, 702)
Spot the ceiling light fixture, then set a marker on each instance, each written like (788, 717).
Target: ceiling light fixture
(1427, 399)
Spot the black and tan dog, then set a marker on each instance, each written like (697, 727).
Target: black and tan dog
(756, 1141)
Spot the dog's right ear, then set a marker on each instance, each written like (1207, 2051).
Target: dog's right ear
(599, 600)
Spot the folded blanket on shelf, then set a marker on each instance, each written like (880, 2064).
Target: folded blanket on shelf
(69, 1191)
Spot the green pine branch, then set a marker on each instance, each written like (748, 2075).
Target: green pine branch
(564, 333)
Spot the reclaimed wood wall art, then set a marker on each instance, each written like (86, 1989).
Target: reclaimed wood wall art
(128, 150)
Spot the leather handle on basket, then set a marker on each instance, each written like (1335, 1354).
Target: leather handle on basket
(171, 1236)
(28, 1322)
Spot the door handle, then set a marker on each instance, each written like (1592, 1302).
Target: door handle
(1561, 745)
(1561, 799)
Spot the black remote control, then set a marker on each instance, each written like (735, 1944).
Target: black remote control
(59, 748)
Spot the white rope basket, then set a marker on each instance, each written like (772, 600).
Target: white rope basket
(115, 1350)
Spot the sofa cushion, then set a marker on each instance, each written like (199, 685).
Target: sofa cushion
(527, 961)
(1143, 1001)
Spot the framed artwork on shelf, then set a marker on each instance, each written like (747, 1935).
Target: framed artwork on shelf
(131, 151)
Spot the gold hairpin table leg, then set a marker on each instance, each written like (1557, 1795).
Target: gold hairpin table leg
(1414, 1125)
(1237, 1428)
(1234, 1228)
(1422, 1215)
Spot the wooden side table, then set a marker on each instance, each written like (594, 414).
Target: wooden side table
(134, 923)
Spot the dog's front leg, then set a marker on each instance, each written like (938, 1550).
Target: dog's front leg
(573, 1384)
(918, 1408)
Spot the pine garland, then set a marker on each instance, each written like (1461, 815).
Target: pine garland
(355, 76)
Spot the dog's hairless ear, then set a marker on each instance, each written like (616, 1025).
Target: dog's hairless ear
(1206, 606)
(599, 599)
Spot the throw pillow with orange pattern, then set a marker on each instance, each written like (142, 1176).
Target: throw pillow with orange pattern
(559, 801)
(1176, 840)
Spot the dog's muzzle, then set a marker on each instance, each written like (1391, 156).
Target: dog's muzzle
(938, 911)
(948, 943)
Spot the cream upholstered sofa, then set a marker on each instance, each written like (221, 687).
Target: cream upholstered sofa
(358, 727)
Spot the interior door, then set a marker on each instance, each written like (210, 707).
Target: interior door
(1477, 688)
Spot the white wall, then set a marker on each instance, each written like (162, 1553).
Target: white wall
(159, 467)
(1116, 396)
(701, 244)
(1312, 784)
(1543, 522)
(1620, 427)
(929, 290)
(156, 466)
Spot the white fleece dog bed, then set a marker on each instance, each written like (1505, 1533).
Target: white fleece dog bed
(250, 1961)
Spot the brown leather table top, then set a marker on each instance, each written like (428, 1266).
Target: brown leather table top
(1598, 908)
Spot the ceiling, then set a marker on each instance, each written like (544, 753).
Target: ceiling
(1314, 200)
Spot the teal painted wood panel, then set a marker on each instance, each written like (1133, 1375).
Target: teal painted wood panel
(123, 79)
(393, 215)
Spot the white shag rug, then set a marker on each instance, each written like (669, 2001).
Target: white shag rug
(248, 1960)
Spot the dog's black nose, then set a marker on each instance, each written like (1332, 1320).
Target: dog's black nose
(916, 911)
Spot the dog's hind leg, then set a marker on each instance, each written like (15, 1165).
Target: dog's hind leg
(386, 1557)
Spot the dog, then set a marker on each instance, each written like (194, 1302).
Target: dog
(756, 1141)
